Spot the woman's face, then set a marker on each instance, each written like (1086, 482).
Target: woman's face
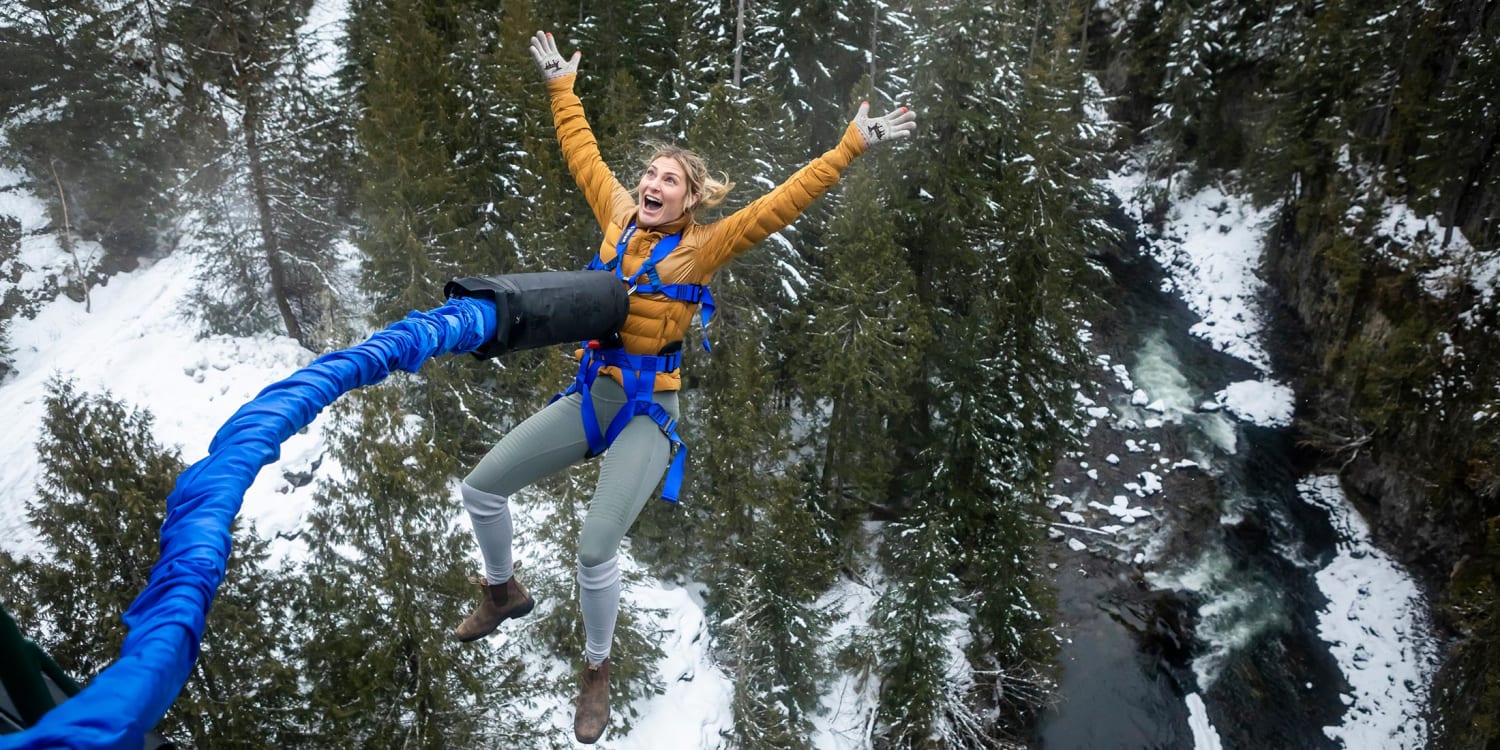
(662, 193)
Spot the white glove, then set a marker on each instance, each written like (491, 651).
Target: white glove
(900, 123)
(551, 63)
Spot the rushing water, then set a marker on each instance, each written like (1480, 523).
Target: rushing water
(1213, 594)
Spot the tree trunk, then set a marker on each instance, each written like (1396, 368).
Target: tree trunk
(68, 243)
(157, 35)
(1473, 185)
(830, 450)
(739, 42)
(250, 123)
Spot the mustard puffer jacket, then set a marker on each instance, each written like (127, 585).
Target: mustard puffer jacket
(655, 321)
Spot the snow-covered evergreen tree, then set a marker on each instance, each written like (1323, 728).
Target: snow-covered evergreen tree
(274, 192)
(386, 583)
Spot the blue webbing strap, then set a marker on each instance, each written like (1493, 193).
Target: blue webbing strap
(166, 620)
(638, 372)
(693, 294)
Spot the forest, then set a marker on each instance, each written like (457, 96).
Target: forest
(893, 378)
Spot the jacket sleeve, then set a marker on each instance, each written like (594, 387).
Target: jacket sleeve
(775, 210)
(606, 197)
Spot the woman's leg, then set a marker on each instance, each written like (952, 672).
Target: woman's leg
(630, 472)
(545, 443)
(632, 466)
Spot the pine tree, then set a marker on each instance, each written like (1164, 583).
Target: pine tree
(274, 199)
(748, 136)
(453, 185)
(1465, 169)
(706, 54)
(858, 345)
(99, 503)
(1183, 115)
(100, 500)
(757, 546)
(823, 50)
(386, 573)
(634, 39)
(91, 127)
(1002, 217)
(924, 701)
(771, 625)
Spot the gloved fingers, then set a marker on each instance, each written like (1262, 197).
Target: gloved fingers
(548, 60)
(900, 116)
(864, 111)
(539, 43)
(902, 122)
(544, 42)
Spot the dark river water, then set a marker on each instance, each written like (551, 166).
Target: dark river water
(1211, 598)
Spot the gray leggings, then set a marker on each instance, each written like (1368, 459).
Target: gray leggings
(553, 439)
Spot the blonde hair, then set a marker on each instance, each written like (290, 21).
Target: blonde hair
(711, 191)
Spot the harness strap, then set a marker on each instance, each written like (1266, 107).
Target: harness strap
(647, 281)
(639, 373)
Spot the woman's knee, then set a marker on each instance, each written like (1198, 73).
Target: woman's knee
(481, 503)
(597, 549)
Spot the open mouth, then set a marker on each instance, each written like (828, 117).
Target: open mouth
(650, 203)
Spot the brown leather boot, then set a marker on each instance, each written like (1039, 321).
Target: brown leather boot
(496, 604)
(592, 714)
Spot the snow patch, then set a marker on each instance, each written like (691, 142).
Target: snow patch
(1267, 403)
(1376, 626)
(1210, 245)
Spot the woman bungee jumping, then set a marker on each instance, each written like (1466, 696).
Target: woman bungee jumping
(654, 245)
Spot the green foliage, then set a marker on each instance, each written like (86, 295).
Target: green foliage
(386, 583)
(446, 173)
(244, 688)
(999, 225)
(99, 503)
(923, 702)
(86, 122)
(830, 48)
(771, 643)
(858, 339)
(630, 39)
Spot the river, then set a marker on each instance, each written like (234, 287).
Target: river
(1193, 556)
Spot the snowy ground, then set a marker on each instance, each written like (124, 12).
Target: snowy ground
(1377, 627)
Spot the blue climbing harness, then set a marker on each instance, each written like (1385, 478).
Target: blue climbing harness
(638, 371)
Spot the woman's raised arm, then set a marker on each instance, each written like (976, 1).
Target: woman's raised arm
(775, 210)
(604, 193)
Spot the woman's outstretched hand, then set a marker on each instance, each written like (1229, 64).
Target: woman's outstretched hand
(548, 60)
(899, 123)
